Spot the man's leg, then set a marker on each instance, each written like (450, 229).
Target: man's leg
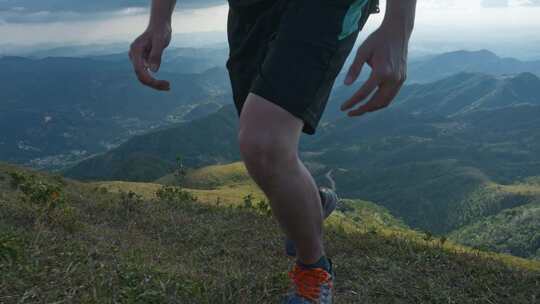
(268, 137)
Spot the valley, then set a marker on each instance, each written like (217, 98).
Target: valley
(453, 156)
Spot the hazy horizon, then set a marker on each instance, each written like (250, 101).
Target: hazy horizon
(509, 28)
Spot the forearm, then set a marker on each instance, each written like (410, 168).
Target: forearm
(161, 13)
(399, 16)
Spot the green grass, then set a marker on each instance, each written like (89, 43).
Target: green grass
(490, 199)
(227, 184)
(125, 248)
(501, 218)
(368, 215)
(210, 177)
(515, 231)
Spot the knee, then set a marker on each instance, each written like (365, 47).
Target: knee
(265, 153)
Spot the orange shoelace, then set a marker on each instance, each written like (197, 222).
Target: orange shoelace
(308, 282)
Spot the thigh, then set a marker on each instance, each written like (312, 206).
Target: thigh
(270, 123)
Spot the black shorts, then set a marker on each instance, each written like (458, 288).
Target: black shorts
(291, 51)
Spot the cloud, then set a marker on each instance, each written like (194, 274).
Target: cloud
(124, 26)
(461, 4)
(90, 6)
(509, 3)
(529, 2)
(43, 11)
(21, 15)
(495, 3)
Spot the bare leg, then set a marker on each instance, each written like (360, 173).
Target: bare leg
(268, 138)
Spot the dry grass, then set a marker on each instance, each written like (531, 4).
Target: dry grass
(127, 248)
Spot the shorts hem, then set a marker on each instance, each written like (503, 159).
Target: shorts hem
(309, 124)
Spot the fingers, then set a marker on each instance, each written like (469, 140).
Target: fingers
(380, 100)
(356, 67)
(154, 60)
(366, 89)
(138, 54)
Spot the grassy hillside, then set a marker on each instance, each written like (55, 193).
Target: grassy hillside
(462, 214)
(490, 199)
(515, 231)
(228, 184)
(210, 176)
(369, 215)
(423, 168)
(424, 194)
(64, 241)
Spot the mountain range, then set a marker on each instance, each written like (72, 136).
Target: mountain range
(204, 141)
(440, 166)
(60, 109)
(453, 156)
(482, 61)
(62, 106)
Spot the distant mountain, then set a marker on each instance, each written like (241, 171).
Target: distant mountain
(200, 41)
(147, 157)
(421, 166)
(87, 50)
(466, 92)
(465, 111)
(442, 173)
(482, 61)
(60, 109)
(457, 94)
(182, 60)
(62, 105)
(437, 67)
(438, 166)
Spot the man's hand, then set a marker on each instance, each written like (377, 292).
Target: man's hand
(145, 54)
(146, 51)
(385, 51)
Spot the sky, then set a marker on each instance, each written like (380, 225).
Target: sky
(509, 27)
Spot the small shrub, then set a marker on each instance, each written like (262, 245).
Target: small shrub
(248, 201)
(428, 236)
(46, 199)
(263, 207)
(443, 240)
(180, 170)
(174, 195)
(44, 195)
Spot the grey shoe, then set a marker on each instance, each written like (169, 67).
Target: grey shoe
(329, 201)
